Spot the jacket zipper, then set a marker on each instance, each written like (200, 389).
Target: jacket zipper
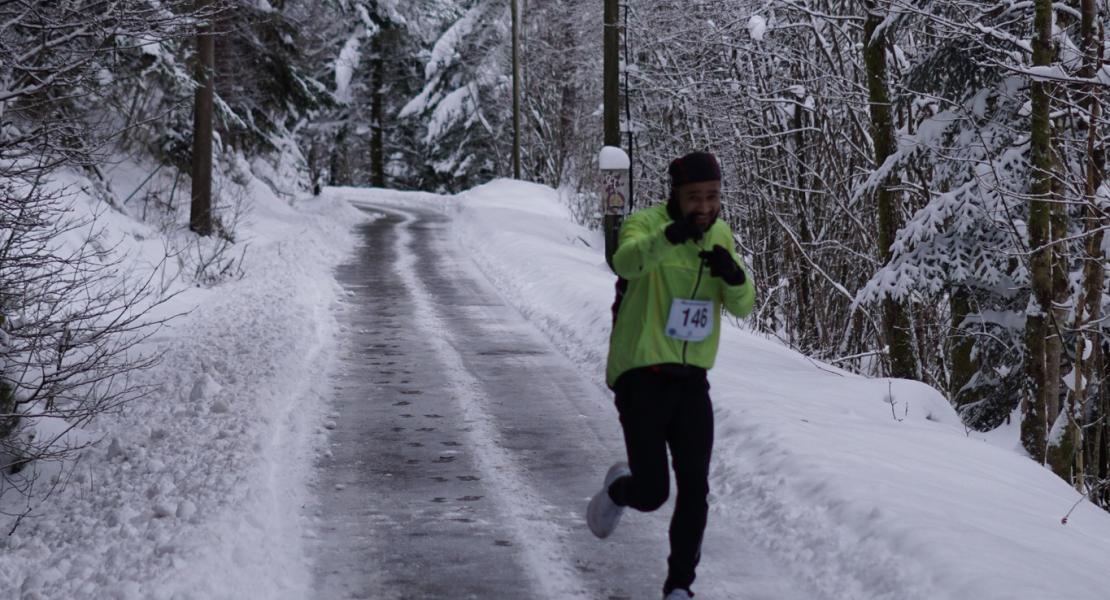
(697, 284)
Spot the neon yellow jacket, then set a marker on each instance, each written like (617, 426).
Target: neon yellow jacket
(657, 273)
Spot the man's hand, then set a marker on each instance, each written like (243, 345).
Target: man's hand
(721, 265)
(680, 231)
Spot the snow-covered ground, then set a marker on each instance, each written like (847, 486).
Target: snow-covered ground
(869, 488)
(195, 491)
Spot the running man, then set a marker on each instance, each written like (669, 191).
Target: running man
(680, 264)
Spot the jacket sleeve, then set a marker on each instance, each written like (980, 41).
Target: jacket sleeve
(738, 299)
(640, 248)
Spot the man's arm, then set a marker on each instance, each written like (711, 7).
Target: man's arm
(738, 299)
(640, 249)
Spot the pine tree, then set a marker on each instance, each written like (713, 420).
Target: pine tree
(466, 127)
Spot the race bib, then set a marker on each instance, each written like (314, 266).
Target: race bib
(690, 320)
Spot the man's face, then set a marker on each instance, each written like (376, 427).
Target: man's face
(701, 199)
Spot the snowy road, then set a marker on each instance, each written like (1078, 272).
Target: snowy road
(465, 446)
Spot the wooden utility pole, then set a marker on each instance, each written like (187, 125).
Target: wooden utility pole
(611, 224)
(611, 73)
(200, 210)
(516, 88)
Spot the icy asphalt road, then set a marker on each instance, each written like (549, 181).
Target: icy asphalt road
(465, 447)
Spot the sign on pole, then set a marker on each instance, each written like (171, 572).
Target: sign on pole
(615, 171)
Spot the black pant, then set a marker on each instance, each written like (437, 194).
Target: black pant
(668, 405)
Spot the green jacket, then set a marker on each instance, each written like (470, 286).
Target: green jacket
(658, 272)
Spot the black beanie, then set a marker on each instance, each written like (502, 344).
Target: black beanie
(695, 167)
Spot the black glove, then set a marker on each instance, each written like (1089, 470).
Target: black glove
(721, 265)
(680, 231)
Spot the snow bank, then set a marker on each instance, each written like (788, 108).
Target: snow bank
(757, 27)
(870, 488)
(196, 490)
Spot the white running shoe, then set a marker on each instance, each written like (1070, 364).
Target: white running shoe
(602, 515)
(678, 594)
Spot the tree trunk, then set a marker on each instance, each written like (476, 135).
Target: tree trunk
(1103, 462)
(312, 161)
(807, 335)
(1062, 448)
(200, 213)
(1035, 404)
(896, 322)
(960, 346)
(567, 134)
(1088, 350)
(516, 87)
(377, 116)
(10, 419)
(337, 169)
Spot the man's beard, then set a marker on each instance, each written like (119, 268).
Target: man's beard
(712, 218)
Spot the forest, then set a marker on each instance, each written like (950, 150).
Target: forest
(918, 185)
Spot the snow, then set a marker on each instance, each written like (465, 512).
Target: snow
(345, 65)
(152, 47)
(1045, 73)
(455, 106)
(444, 54)
(757, 27)
(196, 489)
(418, 104)
(1070, 380)
(445, 51)
(613, 158)
(866, 488)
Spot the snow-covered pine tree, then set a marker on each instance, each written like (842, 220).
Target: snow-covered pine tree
(973, 246)
(267, 82)
(956, 254)
(562, 82)
(376, 69)
(464, 104)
